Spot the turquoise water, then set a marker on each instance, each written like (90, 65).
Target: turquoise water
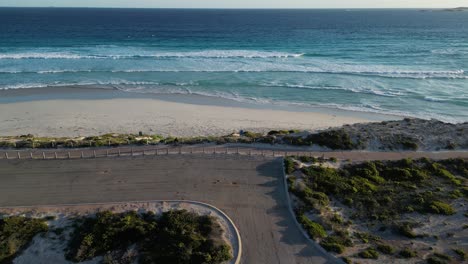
(404, 62)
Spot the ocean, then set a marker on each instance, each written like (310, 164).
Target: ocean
(404, 62)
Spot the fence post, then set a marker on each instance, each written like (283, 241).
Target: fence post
(31, 155)
(82, 155)
(237, 151)
(69, 155)
(43, 155)
(273, 153)
(19, 155)
(263, 153)
(227, 151)
(191, 150)
(55, 155)
(6, 155)
(180, 150)
(167, 151)
(132, 151)
(156, 152)
(118, 151)
(203, 150)
(94, 153)
(107, 153)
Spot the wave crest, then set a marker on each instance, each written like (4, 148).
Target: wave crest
(148, 55)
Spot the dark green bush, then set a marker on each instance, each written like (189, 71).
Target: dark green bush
(176, 237)
(289, 165)
(369, 253)
(462, 254)
(407, 253)
(385, 248)
(332, 247)
(438, 207)
(16, 233)
(333, 139)
(314, 229)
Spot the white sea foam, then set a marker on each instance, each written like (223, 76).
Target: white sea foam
(146, 54)
(456, 74)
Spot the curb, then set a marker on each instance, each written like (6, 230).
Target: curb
(237, 253)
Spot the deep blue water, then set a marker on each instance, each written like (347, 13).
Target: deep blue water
(388, 61)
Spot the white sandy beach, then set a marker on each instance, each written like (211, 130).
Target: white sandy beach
(80, 117)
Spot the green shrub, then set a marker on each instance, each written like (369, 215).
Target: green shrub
(438, 207)
(369, 253)
(175, 237)
(436, 260)
(462, 254)
(385, 248)
(366, 237)
(16, 233)
(347, 260)
(314, 229)
(332, 247)
(407, 253)
(338, 219)
(442, 256)
(289, 165)
(406, 229)
(333, 139)
(336, 243)
(307, 159)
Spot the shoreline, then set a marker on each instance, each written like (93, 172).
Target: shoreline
(85, 111)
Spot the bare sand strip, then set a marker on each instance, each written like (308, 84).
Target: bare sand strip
(85, 117)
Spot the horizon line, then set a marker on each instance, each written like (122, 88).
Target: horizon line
(233, 8)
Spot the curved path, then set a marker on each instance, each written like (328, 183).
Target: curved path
(250, 190)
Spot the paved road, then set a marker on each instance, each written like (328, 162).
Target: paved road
(249, 189)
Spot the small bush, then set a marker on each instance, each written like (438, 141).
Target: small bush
(347, 260)
(442, 256)
(435, 260)
(407, 253)
(369, 253)
(462, 254)
(332, 247)
(438, 207)
(385, 248)
(16, 233)
(314, 229)
(406, 229)
(307, 159)
(289, 165)
(333, 139)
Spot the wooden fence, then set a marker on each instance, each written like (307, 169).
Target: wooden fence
(143, 151)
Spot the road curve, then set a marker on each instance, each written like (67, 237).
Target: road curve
(249, 189)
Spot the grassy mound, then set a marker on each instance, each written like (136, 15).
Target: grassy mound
(175, 237)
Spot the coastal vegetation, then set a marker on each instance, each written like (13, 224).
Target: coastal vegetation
(379, 209)
(407, 134)
(176, 236)
(16, 233)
